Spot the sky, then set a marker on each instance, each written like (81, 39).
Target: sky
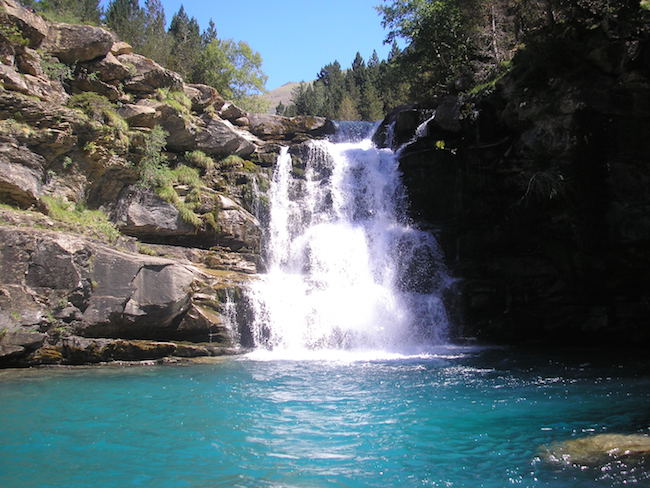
(295, 37)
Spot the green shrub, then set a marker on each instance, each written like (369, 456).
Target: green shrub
(12, 34)
(56, 70)
(199, 159)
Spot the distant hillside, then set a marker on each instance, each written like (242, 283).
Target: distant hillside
(280, 94)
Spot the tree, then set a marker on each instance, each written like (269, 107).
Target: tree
(157, 43)
(72, 11)
(233, 68)
(347, 109)
(126, 19)
(210, 34)
(186, 42)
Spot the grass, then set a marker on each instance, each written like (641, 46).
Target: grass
(199, 159)
(176, 100)
(77, 215)
(232, 161)
(12, 126)
(100, 109)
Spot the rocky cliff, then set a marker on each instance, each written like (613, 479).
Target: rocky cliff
(538, 187)
(130, 200)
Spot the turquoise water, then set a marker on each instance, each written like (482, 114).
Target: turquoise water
(458, 419)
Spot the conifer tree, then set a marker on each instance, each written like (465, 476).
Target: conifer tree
(126, 19)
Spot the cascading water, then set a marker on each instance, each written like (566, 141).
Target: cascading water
(345, 270)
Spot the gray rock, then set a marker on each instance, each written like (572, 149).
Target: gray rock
(21, 173)
(19, 341)
(230, 111)
(29, 62)
(269, 127)
(140, 212)
(74, 43)
(220, 137)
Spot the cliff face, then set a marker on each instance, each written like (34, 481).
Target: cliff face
(130, 201)
(539, 191)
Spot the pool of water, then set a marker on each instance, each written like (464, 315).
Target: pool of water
(456, 418)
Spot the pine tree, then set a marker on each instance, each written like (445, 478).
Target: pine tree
(157, 42)
(347, 109)
(187, 42)
(210, 34)
(126, 19)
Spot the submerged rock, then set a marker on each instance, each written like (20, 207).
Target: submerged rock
(596, 450)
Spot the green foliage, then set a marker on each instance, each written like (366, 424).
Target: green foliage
(70, 11)
(153, 165)
(55, 70)
(176, 100)
(11, 34)
(79, 216)
(233, 68)
(199, 159)
(100, 109)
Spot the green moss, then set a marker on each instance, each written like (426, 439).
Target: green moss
(250, 166)
(16, 316)
(199, 159)
(95, 220)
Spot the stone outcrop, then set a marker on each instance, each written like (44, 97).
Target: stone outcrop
(111, 249)
(277, 127)
(537, 193)
(77, 43)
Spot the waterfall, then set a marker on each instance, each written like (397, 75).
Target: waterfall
(346, 271)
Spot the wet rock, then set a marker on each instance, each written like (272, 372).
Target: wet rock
(74, 43)
(597, 450)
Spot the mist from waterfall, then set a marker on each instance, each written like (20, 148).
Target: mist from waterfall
(346, 272)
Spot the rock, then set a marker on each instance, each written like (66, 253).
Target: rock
(447, 115)
(17, 342)
(239, 229)
(12, 80)
(141, 213)
(138, 115)
(147, 75)
(29, 62)
(75, 43)
(241, 122)
(220, 137)
(21, 174)
(32, 27)
(108, 68)
(202, 324)
(118, 48)
(230, 111)
(597, 450)
(269, 127)
(85, 83)
(203, 96)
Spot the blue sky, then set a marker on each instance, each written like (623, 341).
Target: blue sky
(295, 37)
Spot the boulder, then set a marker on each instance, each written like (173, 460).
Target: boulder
(239, 228)
(108, 68)
(118, 48)
(597, 450)
(12, 80)
(220, 137)
(138, 115)
(75, 43)
(147, 75)
(140, 212)
(31, 26)
(270, 127)
(202, 96)
(230, 111)
(85, 83)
